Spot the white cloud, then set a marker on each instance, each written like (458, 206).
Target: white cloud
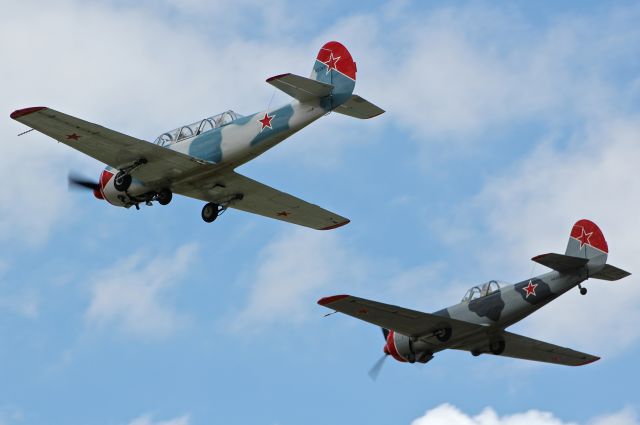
(148, 420)
(292, 272)
(447, 414)
(131, 294)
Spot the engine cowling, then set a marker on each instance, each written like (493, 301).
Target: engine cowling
(133, 195)
(406, 349)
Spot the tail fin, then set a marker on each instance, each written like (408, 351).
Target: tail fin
(587, 241)
(334, 65)
(587, 247)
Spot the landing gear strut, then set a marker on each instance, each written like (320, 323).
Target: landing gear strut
(583, 291)
(211, 211)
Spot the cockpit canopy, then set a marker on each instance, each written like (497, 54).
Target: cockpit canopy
(188, 131)
(482, 290)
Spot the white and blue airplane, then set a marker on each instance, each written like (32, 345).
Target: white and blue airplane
(198, 160)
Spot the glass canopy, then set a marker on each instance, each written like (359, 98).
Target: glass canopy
(188, 131)
(482, 290)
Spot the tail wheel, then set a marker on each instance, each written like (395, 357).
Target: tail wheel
(497, 347)
(443, 334)
(210, 212)
(164, 196)
(122, 181)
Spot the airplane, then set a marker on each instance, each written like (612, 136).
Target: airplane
(478, 323)
(198, 160)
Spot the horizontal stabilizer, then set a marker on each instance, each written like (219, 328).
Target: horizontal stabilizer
(300, 88)
(560, 262)
(358, 107)
(610, 272)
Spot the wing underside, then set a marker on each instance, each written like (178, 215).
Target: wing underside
(248, 195)
(466, 336)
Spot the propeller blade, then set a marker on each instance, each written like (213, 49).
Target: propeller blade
(377, 367)
(82, 183)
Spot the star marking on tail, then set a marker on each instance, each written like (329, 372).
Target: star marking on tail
(266, 121)
(530, 289)
(73, 136)
(283, 214)
(332, 62)
(584, 238)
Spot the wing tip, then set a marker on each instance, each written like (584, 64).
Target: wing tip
(26, 111)
(589, 361)
(331, 299)
(277, 77)
(335, 226)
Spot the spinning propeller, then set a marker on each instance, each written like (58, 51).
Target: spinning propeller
(78, 182)
(377, 366)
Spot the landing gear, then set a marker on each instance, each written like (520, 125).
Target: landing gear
(476, 353)
(443, 334)
(122, 181)
(211, 211)
(164, 196)
(497, 347)
(583, 291)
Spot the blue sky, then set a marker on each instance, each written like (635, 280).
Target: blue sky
(505, 124)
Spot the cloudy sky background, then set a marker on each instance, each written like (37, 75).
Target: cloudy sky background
(505, 124)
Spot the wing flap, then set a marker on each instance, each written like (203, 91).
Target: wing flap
(358, 107)
(402, 320)
(300, 88)
(108, 146)
(560, 262)
(258, 198)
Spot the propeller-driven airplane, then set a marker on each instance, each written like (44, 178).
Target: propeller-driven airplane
(198, 160)
(478, 323)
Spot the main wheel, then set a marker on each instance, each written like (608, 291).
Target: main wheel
(210, 212)
(164, 196)
(443, 334)
(497, 347)
(122, 181)
(583, 291)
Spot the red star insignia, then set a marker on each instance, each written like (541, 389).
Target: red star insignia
(73, 136)
(332, 62)
(266, 120)
(584, 238)
(283, 214)
(530, 289)
(363, 311)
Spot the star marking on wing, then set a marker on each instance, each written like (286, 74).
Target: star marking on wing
(332, 62)
(530, 289)
(584, 238)
(266, 121)
(73, 136)
(283, 214)
(363, 311)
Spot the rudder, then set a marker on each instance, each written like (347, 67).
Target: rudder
(587, 241)
(334, 65)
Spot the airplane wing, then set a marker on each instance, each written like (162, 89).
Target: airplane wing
(464, 335)
(111, 147)
(258, 198)
(402, 320)
(522, 347)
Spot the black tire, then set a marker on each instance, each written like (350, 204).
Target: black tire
(476, 353)
(164, 196)
(497, 347)
(443, 334)
(210, 212)
(122, 181)
(583, 291)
